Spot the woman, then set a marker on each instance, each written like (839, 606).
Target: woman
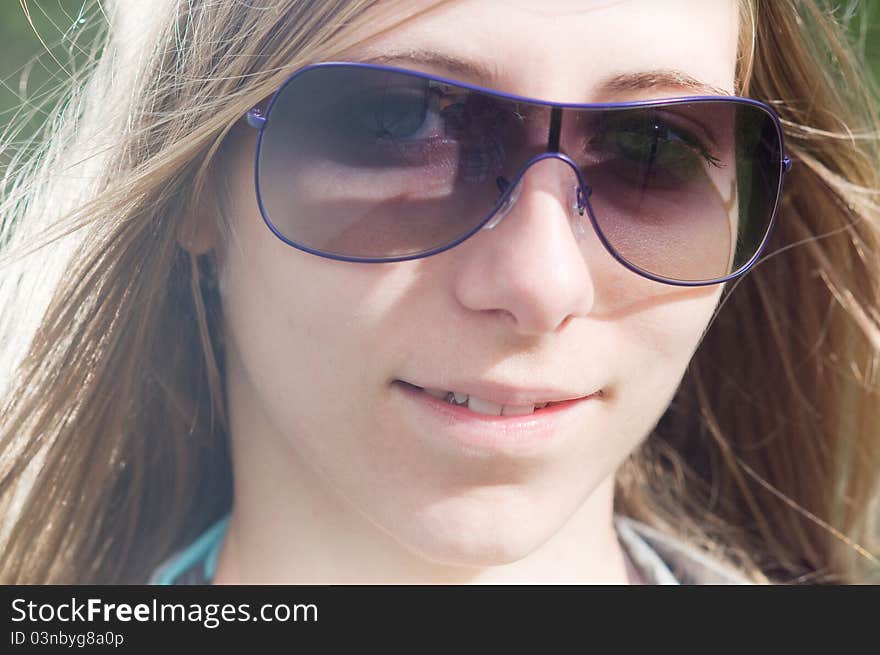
(250, 378)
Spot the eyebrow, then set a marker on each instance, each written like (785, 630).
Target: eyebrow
(467, 68)
(664, 77)
(613, 84)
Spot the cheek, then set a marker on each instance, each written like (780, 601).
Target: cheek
(660, 342)
(292, 318)
(312, 339)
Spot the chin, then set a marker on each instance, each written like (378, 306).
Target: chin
(476, 535)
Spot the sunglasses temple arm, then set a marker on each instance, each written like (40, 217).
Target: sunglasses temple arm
(255, 118)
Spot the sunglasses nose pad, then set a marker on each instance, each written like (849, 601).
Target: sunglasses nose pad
(507, 205)
(578, 198)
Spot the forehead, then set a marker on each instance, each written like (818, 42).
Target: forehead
(568, 50)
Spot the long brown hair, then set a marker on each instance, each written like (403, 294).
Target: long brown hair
(770, 453)
(113, 433)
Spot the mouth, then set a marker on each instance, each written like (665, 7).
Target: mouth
(508, 430)
(477, 405)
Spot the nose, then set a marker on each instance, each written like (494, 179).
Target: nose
(525, 262)
(576, 200)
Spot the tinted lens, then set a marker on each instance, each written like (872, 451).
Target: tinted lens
(369, 163)
(684, 191)
(359, 162)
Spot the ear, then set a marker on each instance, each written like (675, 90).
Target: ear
(200, 230)
(197, 233)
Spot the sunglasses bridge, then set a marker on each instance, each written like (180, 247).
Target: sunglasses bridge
(577, 201)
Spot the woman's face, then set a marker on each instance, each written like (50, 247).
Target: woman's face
(317, 348)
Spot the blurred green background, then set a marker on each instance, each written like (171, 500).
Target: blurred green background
(35, 53)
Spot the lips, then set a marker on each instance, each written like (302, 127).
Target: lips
(493, 406)
(444, 423)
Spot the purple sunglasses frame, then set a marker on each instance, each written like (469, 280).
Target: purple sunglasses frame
(258, 119)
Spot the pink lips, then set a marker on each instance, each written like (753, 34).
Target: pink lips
(505, 433)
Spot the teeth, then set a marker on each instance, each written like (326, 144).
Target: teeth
(481, 406)
(517, 410)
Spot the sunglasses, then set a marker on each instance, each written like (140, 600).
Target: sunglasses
(369, 163)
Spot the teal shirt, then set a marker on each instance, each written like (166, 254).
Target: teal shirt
(196, 563)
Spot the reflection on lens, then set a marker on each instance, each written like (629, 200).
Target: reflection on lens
(683, 191)
(375, 164)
